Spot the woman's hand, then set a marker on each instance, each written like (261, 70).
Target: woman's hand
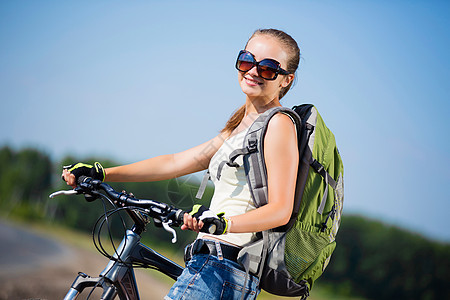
(191, 223)
(69, 178)
(72, 172)
(200, 218)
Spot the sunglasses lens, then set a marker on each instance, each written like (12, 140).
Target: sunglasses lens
(244, 66)
(245, 62)
(267, 69)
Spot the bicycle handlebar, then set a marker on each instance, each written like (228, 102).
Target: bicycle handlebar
(156, 209)
(162, 213)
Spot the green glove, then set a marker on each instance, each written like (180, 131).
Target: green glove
(80, 169)
(212, 223)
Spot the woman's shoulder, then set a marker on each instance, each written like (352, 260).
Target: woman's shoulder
(280, 141)
(281, 122)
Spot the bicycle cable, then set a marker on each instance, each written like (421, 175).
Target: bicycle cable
(98, 228)
(104, 218)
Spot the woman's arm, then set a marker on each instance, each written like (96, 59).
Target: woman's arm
(281, 156)
(167, 166)
(162, 167)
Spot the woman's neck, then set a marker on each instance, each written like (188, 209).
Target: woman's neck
(258, 106)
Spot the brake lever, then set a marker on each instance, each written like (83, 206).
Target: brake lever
(167, 227)
(59, 193)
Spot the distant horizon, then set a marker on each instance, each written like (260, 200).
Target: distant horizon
(346, 212)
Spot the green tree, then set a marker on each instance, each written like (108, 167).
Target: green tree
(380, 261)
(25, 176)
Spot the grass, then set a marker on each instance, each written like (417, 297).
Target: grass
(83, 240)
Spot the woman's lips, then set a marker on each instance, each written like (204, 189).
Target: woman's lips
(251, 81)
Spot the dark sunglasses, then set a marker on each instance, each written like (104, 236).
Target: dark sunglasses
(266, 68)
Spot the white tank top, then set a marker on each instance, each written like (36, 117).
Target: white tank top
(231, 194)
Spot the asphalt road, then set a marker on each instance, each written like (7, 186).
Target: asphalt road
(22, 250)
(33, 266)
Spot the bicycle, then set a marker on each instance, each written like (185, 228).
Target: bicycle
(117, 278)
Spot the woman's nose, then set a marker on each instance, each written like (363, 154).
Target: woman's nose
(253, 71)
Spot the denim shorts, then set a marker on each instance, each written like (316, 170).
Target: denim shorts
(206, 277)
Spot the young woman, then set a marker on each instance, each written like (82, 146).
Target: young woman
(266, 68)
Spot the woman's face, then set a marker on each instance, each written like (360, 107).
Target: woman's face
(253, 85)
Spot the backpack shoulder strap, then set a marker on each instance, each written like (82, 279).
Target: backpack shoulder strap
(253, 152)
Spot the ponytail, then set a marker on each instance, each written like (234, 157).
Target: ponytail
(234, 121)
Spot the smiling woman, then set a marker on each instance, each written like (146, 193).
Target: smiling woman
(266, 70)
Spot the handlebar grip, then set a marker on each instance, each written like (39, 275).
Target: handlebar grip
(180, 216)
(212, 228)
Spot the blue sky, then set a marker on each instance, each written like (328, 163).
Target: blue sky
(128, 80)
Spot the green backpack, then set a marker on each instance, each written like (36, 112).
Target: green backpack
(290, 258)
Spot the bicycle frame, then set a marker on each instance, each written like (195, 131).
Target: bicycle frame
(118, 279)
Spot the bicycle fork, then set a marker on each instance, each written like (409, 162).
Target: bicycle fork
(85, 281)
(116, 279)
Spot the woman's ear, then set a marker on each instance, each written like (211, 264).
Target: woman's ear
(287, 80)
